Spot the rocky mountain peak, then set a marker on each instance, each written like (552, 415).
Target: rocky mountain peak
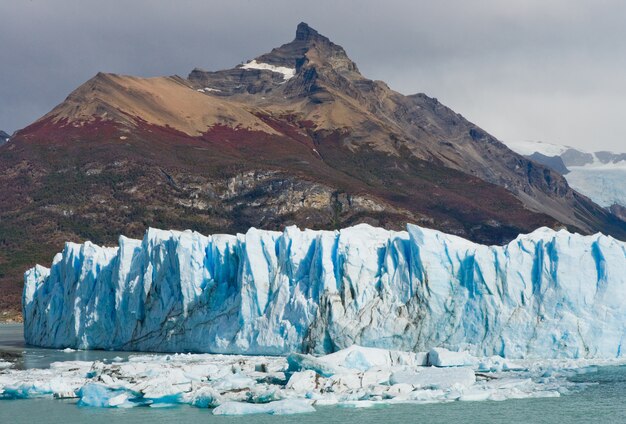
(309, 46)
(295, 69)
(305, 33)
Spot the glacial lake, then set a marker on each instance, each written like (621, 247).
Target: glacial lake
(604, 401)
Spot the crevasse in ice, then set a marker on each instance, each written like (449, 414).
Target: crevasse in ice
(547, 294)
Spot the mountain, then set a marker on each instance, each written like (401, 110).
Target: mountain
(553, 162)
(295, 136)
(544, 295)
(4, 137)
(600, 175)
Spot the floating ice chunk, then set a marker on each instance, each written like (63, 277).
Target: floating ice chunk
(281, 407)
(497, 363)
(300, 362)
(435, 378)
(265, 393)
(355, 358)
(374, 377)
(38, 386)
(398, 389)
(426, 395)
(118, 400)
(357, 404)
(474, 395)
(304, 381)
(234, 382)
(24, 390)
(340, 383)
(101, 396)
(204, 397)
(5, 364)
(440, 357)
(363, 358)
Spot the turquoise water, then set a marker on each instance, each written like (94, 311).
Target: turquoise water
(602, 402)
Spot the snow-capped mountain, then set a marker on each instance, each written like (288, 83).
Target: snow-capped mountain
(297, 135)
(599, 175)
(547, 294)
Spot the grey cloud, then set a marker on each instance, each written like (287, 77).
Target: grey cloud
(521, 69)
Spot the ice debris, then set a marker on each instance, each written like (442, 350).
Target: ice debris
(236, 385)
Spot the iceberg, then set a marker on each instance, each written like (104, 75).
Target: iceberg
(547, 294)
(439, 357)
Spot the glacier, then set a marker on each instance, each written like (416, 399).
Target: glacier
(603, 183)
(547, 294)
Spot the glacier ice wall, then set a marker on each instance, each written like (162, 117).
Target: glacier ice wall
(546, 294)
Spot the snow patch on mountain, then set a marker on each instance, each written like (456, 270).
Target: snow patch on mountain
(286, 72)
(527, 148)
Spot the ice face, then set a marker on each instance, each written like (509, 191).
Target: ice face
(546, 294)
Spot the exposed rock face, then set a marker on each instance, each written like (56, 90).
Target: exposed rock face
(553, 162)
(610, 157)
(573, 157)
(296, 136)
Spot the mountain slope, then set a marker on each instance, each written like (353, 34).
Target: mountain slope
(328, 90)
(296, 136)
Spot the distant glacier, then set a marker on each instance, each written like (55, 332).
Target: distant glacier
(548, 294)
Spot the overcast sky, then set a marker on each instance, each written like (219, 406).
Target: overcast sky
(550, 70)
